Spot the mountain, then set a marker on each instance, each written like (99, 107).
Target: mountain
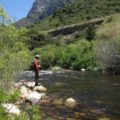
(79, 11)
(40, 10)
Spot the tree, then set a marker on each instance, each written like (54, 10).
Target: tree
(3, 15)
(90, 33)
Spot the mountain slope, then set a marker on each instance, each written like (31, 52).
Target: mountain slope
(79, 11)
(40, 10)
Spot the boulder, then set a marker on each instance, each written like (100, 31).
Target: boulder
(29, 84)
(11, 109)
(83, 70)
(44, 101)
(40, 88)
(56, 68)
(34, 97)
(24, 92)
(17, 85)
(58, 102)
(70, 103)
(43, 95)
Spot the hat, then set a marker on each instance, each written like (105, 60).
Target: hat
(37, 56)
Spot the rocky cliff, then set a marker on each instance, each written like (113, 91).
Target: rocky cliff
(40, 10)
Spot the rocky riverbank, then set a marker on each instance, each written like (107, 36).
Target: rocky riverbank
(62, 95)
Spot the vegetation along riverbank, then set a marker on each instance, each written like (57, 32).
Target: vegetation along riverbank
(79, 35)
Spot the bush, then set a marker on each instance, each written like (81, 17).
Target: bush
(90, 33)
(74, 56)
(14, 54)
(108, 54)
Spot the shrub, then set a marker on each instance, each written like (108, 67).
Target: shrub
(108, 53)
(14, 54)
(73, 56)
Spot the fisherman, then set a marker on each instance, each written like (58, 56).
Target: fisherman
(36, 68)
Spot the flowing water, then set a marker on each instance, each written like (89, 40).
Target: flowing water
(97, 95)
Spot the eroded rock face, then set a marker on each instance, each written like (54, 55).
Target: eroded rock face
(40, 10)
(43, 8)
(11, 109)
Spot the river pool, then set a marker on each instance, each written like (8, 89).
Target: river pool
(97, 95)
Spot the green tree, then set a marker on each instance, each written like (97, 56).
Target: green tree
(3, 14)
(90, 33)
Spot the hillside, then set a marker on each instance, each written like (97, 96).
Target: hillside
(80, 10)
(40, 10)
(110, 29)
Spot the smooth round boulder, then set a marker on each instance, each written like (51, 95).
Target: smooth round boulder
(40, 88)
(83, 70)
(29, 84)
(24, 92)
(70, 103)
(34, 97)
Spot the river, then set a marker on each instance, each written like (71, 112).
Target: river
(97, 95)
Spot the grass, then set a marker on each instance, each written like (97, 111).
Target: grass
(110, 29)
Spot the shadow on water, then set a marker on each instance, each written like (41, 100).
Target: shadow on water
(97, 95)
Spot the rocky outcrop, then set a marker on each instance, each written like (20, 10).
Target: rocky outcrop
(69, 29)
(43, 8)
(24, 22)
(40, 10)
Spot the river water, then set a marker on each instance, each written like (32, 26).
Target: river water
(97, 95)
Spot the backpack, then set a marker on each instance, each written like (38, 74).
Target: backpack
(32, 66)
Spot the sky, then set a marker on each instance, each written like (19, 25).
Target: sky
(17, 8)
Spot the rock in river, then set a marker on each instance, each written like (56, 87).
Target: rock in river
(83, 70)
(70, 103)
(29, 84)
(34, 97)
(40, 88)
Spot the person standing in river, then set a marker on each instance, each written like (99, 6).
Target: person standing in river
(36, 68)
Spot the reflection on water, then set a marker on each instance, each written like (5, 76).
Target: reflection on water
(97, 95)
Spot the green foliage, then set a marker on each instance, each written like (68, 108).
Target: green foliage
(36, 112)
(90, 33)
(38, 39)
(108, 53)
(110, 28)
(9, 97)
(79, 11)
(13, 96)
(74, 56)
(14, 54)
(3, 115)
(3, 15)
